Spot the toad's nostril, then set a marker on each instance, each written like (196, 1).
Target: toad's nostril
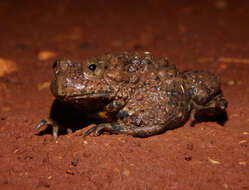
(62, 65)
(55, 64)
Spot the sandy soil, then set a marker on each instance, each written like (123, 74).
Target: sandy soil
(211, 36)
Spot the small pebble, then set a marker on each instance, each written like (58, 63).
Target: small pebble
(126, 172)
(75, 162)
(213, 161)
(243, 163)
(106, 144)
(147, 53)
(225, 185)
(15, 151)
(69, 172)
(7, 67)
(242, 142)
(231, 82)
(45, 55)
(116, 170)
(50, 177)
(43, 85)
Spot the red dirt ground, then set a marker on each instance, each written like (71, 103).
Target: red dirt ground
(212, 36)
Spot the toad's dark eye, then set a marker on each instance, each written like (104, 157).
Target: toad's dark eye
(92, 67)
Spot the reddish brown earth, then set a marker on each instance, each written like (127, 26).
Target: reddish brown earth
(212, 36)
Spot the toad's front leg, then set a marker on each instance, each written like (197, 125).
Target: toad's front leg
(54, 124)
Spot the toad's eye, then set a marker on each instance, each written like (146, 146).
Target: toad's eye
(92, 67)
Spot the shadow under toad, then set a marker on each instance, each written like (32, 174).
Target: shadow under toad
(211, 115)
(67, 117)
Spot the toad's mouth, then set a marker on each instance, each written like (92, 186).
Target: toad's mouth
(88, 101)
(91, 95)
(100, 94)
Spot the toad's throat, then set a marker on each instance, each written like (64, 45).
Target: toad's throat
(91, 102)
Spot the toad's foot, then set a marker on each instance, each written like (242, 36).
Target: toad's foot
(98, 129)
(216, 105)
(54, 124)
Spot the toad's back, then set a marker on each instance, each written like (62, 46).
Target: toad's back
(158, 100)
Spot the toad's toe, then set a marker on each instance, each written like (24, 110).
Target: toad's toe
(98, 129)
(51, 122)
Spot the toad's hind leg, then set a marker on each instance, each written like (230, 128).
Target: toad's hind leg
(122, 128)
(215, 106)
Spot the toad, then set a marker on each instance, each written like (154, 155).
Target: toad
(133, 94)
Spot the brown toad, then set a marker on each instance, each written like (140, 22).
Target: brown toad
(134, 94)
